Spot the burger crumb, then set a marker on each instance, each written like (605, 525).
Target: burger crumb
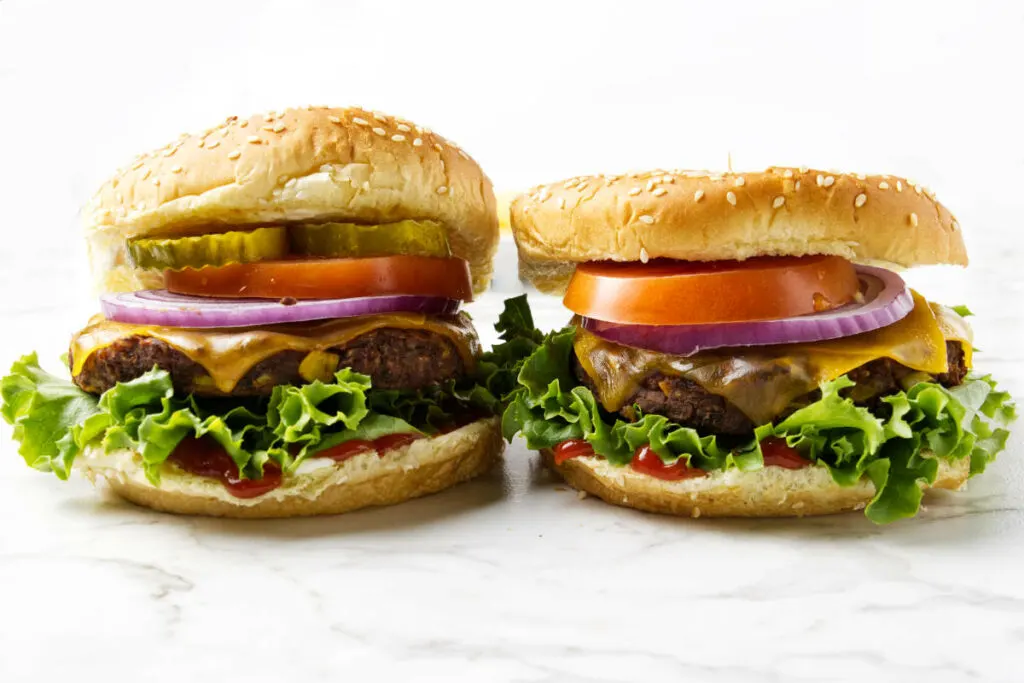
(581, 494)
(695, 513)
(289, 301)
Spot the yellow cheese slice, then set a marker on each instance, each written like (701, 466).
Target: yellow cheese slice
(227, 354)
(762, 381)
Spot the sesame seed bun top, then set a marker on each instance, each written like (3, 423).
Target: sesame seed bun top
(701, 216)
(307, 164)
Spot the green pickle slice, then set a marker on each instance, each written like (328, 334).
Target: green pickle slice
(217, 249)
(410, 237)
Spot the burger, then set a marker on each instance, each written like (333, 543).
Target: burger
(743, 345)
(281, 331)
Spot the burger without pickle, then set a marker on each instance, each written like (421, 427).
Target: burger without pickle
(281, 330)
(743, 346)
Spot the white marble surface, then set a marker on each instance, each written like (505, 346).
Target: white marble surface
(512, 578)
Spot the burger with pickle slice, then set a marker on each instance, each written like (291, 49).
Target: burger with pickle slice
(280, 330)
(742, 344)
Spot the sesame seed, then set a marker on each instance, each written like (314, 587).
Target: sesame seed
(213, 145)
(417, 142)
(740, 182)
(156, 181)
(380, 131)
(883, 185)
(438, 147)
(171, 152)
(581, 187)
(913, 219)
(668, 179)
(634, 192)
(398, 137)
(797, 185)
(176, 169)
(660, 191)
(269, 129)
(201, 143)
(380, 117)
(234, 154)
(404, 128)
(561, 203)
(463, 155)
(820, 180)
(138, 164)
(803, 169)
(644, 256)
(917, 189)
(442, 189)
(860, 176)
(243, 124)
(954, 225)
(356, 120)
(730, 197)
(778, 202)
(829, 181)
(278, 127)
(253, 139)
(698, 195)
(899, 186)
(650, 185)
(334, 119)
(861, 200)
(646, 219)
(146, 174)
(788, 173)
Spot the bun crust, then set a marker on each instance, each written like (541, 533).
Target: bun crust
(697, 216)
(770, 492)
(310, 164)
(423, 467)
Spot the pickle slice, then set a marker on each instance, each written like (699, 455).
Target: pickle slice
(409, 237)
(217, 249)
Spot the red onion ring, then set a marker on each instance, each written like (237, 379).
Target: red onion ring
(887, 299)
(160, 307)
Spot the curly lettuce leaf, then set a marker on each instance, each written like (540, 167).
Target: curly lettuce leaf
(54, 420)
(898, 451)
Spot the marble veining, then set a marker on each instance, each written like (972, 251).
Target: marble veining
(513, 577)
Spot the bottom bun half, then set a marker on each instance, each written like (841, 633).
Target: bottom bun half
(769, 492)
(320, 486)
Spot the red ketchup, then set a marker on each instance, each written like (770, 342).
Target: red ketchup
(350, 449)
(777, 453)
(645, 460)
(571, 448)
(206, 458)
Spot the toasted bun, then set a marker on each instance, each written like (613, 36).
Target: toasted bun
(422, 467)
(696, 216)
(769, 492)
(311, 164)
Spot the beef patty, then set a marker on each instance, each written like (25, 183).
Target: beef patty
(687, 403)
(394, 359)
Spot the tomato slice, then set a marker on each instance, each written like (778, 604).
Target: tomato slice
(665, 292)
(341, 278)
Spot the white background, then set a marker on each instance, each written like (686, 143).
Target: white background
(511, 578)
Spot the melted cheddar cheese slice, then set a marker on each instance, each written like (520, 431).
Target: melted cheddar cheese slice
(763, 380)
(227, 354)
